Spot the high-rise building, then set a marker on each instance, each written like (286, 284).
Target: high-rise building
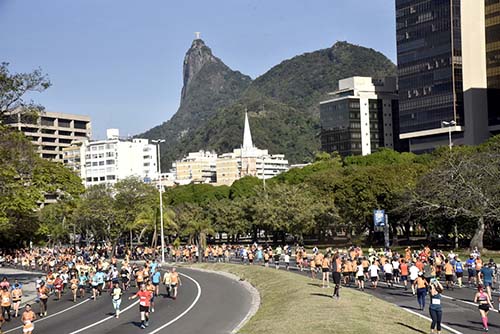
(108, 161)
(361, 117)
(492, 22)
(51, 132)
(441, 51)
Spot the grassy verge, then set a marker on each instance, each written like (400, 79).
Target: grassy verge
(291, 303)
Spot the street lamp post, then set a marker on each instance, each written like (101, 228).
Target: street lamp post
(449, 125)
(158, 142)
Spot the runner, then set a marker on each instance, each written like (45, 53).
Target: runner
(435, 309)
(313, 268)
(27, 318)
(116, 296)
(388, 271)
(360, 275)
(448, 273)
(287, 261)
(74, 287)
(484, 305)
(175, 282)
(421, 284)
(167, 281)
(150, 287)
(325, 268)
(17, 294)
(82, 283)
(125, 276)
(144, 304)
(486, 276)
(414, 271)
(403, 268)
(5, 302)
(155, 280)
(471, 270)
(43, 294)
(459, 271)
(58, 286)
(336, 269)
(373, 270)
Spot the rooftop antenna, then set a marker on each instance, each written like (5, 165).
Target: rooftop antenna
(197, 35)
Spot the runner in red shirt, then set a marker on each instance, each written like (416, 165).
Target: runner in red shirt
(144, 304)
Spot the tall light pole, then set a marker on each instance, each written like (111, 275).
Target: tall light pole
(158, 142)
(449, 125)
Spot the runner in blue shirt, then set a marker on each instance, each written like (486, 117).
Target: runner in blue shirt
(155, 279)
(487, 277)
(471, 268)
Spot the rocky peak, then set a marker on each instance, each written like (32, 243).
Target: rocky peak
(196, 57)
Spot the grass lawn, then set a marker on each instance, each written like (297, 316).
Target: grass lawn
(291, 303)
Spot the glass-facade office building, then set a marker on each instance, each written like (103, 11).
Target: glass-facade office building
(429, 65)
(492, 23)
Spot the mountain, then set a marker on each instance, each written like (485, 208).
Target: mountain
(282, 104)
(208, 85)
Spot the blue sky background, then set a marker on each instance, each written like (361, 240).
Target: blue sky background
(120, 61)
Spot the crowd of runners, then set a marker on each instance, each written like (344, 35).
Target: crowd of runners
(92, 271)
(88, 273)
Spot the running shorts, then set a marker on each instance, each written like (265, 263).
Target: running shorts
(388, 277)
(374, 278)
(276, 258)
(143, 308)
(449, 278)
(361, 278)
(488, 283)
(404, 277)
(336, 277)
(484, 307)
(325, 270)
(460, 275)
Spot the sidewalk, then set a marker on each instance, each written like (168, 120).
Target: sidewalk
(26, 278)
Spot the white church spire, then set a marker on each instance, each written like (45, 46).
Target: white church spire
(247, 135)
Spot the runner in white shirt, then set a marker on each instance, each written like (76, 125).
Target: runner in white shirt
(360, 276)
(388, 269)
(413, 276)
(396, 272)
(373, 270)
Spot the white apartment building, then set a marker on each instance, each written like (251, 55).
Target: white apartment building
(113, 159)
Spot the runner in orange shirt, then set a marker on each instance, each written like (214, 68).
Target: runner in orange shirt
(27, 318)
(403, 267)
(144, 304)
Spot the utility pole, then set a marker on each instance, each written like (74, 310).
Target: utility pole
(158, 142)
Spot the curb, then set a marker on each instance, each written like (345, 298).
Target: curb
(254, 305)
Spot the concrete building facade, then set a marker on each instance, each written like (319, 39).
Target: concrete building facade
(197, 167)
(51, 132)
(361, 117)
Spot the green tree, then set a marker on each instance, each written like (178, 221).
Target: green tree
(13, 88)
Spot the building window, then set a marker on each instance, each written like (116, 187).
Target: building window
(110, 154)
(101, 163)
(110, 162)
(110, 177)
(102, 178)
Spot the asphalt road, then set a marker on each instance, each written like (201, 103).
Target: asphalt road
(460, 314)
(207, 303)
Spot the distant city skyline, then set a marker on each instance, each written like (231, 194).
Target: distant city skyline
(120, 62)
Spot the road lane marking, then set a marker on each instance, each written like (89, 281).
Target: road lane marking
(50, 316)
(424, 317)
(186, 311)
(105, 319)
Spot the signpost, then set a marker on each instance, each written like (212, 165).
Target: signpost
(381, 223)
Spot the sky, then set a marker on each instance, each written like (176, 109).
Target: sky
(120, 61)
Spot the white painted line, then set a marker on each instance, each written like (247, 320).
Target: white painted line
(186, 311)
(105, 319)
(50, 316)
(424, 317)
